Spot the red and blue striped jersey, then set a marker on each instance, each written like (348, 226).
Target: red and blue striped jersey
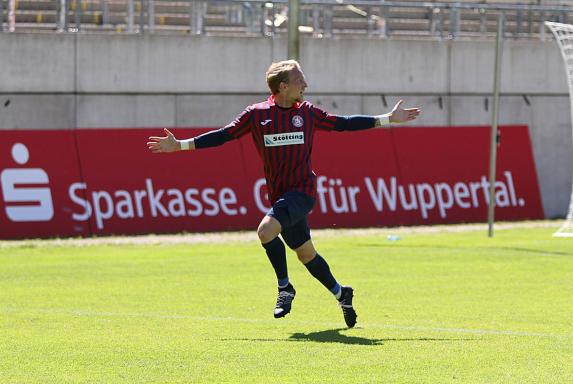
(283, 137)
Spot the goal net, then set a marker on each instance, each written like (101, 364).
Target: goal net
(564, 36)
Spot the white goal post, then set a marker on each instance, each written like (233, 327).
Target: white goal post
(564, 36)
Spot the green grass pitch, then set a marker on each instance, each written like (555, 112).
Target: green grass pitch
(444, 307)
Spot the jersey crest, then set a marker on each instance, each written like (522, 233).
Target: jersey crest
(297, 121)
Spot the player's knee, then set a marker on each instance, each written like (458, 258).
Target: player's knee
(306, 252)
(268, 229)
(305, 256)
(261, 232)
(266, 233)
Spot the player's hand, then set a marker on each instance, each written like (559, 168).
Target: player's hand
(401, 115)
(158, 144)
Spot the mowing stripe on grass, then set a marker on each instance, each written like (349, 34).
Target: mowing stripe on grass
(275, 322)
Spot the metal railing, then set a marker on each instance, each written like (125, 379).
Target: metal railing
(319, 18)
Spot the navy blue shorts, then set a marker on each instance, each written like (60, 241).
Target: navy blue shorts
(291, 211)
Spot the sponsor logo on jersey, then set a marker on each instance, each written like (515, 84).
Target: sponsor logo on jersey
(297, 121)
(291, 138)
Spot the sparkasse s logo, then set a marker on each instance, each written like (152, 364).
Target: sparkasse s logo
(26, 192)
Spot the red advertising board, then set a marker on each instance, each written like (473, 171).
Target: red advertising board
(105, 181)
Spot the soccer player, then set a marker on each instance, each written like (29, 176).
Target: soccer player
(283, 128)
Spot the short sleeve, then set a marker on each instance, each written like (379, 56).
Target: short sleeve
(322, 119)
(241, 125)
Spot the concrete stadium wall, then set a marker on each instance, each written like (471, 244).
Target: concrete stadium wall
(71, 81)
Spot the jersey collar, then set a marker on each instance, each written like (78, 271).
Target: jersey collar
(271, 101)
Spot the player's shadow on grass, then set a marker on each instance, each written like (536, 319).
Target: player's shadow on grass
(334, 336)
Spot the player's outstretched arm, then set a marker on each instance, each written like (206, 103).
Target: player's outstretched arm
(165, 144)
(360, 122)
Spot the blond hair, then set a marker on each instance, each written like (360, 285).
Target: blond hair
(279, 72)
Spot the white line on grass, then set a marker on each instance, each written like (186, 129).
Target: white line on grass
(275, 322)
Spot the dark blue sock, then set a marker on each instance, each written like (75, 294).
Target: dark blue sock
(318, 267)
(277, 256)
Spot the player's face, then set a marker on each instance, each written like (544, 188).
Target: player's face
(296, 85)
